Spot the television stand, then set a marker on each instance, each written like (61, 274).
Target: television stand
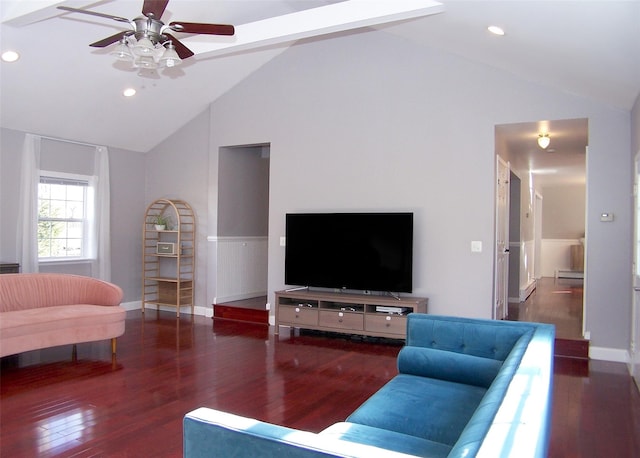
(367, 315)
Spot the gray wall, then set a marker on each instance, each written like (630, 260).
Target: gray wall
(127, 203)
(10, 156)
(178, 169)
(243, 191)
(635, 149)
(563, 211)
(371, 122)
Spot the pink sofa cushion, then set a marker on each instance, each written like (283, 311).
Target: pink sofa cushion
(37, 321)
(25, 330)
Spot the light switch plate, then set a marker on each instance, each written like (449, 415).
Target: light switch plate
(476, 246)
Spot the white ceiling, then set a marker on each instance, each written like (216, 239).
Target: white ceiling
(563, 162)
(589, 48)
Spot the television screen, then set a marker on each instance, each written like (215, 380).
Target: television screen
(359, 251)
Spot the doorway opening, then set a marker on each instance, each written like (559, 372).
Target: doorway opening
(547, 222)
(243, 232)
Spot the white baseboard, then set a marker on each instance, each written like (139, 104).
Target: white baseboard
(615, 355)
(197, 310)
(133, 305)
(526, 291)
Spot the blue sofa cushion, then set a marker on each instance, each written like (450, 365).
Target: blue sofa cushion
(484, 338)
(428, 408)
(385, 439)
(448, 365)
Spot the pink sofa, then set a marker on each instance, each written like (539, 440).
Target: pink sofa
(46, 310)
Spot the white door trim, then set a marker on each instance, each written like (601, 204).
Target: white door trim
(634, 344)
(501, 254)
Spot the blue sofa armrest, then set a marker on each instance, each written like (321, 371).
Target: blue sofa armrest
(514, 417)
(213, 433)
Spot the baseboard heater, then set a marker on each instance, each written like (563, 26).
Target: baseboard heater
(566, 273)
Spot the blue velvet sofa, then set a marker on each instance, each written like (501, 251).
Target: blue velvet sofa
(465, 388)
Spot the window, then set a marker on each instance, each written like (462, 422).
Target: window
(64, 209)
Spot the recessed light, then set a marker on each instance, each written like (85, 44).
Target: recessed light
(494, 29)
(10, 56)
(129, 92)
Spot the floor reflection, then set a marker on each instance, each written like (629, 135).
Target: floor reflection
(557, 301)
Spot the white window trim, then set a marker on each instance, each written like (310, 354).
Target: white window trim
(89, 244)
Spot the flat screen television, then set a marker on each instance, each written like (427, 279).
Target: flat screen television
(355, 251)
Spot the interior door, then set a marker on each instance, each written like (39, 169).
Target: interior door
(635, 313)
(501, 274)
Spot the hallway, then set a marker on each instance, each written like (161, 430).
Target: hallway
(556, 301)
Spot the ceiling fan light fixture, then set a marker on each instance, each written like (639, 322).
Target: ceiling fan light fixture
(147, 62)
(144, 47)
(170, 56)
(122, 51)
(543, 140)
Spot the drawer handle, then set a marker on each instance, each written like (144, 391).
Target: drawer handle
(340, 314)
(388, 318)
(297, 309)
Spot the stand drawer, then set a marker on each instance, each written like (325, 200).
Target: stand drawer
(341, 320)
(298, 316)
(388, 324)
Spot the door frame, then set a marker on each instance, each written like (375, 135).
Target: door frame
(501, 253)
(634, 345)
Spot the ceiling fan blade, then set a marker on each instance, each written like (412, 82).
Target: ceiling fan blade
(181, 49)
(109, 40)
(93, 13)
(154, 8)
(208, 29)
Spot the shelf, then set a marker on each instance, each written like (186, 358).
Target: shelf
(347, 313)
(168, 279)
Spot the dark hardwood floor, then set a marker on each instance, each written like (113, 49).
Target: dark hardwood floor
(555, 301)
(51, 405)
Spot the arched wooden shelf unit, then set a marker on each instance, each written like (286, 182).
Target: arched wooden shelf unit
(168, 255)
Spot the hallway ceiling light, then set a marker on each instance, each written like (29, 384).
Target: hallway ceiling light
(543, 140)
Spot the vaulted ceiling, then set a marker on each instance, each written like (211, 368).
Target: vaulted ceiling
(63, 88)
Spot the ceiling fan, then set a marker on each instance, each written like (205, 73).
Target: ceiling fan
(148, 44)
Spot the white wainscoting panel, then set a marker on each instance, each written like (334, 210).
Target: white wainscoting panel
(241, 268)
(556, 255)
(527, 274)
